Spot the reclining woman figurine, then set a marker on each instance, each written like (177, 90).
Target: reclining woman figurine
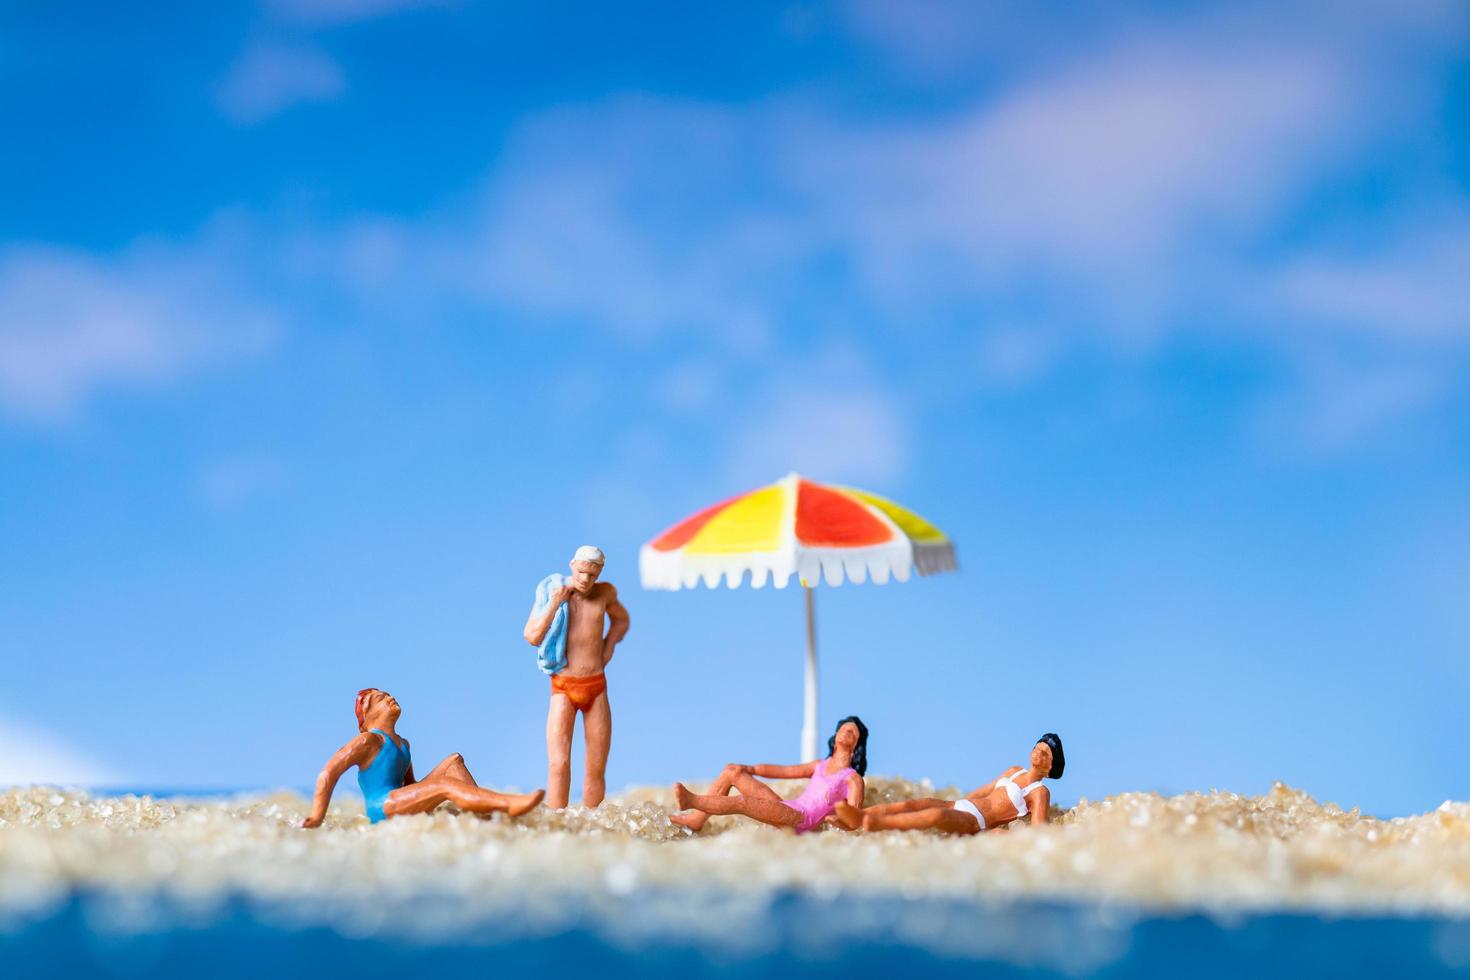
(385, 772)
(835, 778)
(1009, 797)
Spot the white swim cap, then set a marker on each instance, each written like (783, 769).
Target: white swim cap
(589, 553)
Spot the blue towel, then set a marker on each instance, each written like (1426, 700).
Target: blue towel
(551, 655)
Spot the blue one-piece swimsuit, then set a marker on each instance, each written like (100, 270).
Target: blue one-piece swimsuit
(383, 775)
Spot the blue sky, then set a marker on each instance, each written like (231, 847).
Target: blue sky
(327, 327)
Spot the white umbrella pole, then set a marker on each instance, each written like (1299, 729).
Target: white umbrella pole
(809, 749)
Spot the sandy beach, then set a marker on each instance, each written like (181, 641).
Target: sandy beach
(1218, 852)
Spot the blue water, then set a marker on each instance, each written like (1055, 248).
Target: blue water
(1072, 941)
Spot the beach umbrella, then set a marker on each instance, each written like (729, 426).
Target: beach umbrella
(797, 527)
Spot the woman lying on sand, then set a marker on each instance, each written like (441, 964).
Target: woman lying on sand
(385, 772)
(1010, 797)
(833, 779)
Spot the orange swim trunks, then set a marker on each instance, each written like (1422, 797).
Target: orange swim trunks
(581, 691)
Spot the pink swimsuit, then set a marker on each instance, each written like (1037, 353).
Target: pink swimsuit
(821, 796)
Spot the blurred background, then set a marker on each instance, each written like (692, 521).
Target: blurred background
(329, 327)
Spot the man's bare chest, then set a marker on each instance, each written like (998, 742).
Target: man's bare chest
(585, 613)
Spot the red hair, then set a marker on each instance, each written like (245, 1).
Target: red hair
(361, 705)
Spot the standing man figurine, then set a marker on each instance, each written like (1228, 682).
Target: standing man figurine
(566, 625)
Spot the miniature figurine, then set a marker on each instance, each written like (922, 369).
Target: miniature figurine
(833, 779)
(1011, 796)
(385, 772)
(566, 626)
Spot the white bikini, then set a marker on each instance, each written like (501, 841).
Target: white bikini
(1014, 790)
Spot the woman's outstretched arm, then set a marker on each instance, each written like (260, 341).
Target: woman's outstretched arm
(354, 753)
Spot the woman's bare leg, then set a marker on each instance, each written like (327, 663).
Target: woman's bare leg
(426, 794)
(477, 799)
(696, 819)
(909, 806)
(851, 817)
(947, 819)
(731, 777)
(452, 767)
(770, 811)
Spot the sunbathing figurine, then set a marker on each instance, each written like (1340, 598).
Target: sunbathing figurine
(836, 778)
(1011, 796)
(385, 772)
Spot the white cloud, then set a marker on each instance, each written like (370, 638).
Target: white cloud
(73, 325)
(602, 215)
(36, 756)
(270, 77)
(957, 40)
(1377, 333)
(925, 35)
(938, 40)
(1115, 185)
(325, 12)
(841, 434)
(1126, 182)
(1122, 191)
(825, 415)
(1110, 182)
(691, 385)
(1412, 288)
(1133, 153)
(1119, 193)
(1011, 355)
(234, 482)
(1117, 189)
(1339, 403)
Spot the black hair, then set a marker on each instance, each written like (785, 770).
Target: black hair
(859, 751)
(1058, 758)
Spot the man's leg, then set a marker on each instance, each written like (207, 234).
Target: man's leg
(561, 719)
(597, 727)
